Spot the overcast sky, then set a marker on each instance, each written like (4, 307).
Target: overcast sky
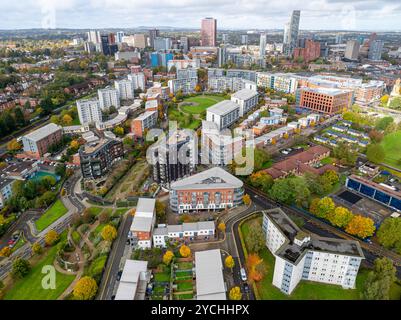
(375, 15)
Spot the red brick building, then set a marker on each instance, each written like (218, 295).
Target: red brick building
(309, 53)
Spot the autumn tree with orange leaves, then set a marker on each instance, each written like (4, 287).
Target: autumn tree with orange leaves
(256, 267)
(361, 227)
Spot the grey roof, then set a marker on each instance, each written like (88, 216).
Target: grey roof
(143, 224)
(146, 205)
(145, 115)
(5, 181)
(174, 228)
(244, 94)
(43, 132)
(293, 252)
(216, 178)
(191, 226)
(223, 107)
(209, 275)
(130, 278)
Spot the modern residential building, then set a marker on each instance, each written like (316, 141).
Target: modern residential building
(37, 143)
(218, 147)
(186, 85)
(96, 158)
(134, 281)
(125, 89)
(146, 120)
(107, 46)
(186, 232)
(352, 50)
(173, 158)
(210, 283)
(208, 32)
(300, 163)
(153, 34)
(308, 53)
(108, 97)
(291, 33)
(246, 99)
(262, 44)
(138, 79)
(183, 64)
(184, 44)
(140, 40)
(119, 36)
(244, 39)
(383, 193)
(143, 223)
(223, 113)
(89, 111)
(324, 100)
(6, 190)
(375, 50)
(212, 189)
(224, 83)
(243, 74)
(160, 59)
(187, 73)
(284, 82)
(162, 44)
(130, 56)
(303, 256)
(93, 36)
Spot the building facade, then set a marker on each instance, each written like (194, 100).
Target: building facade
(125, 89)
(97, 158)
(223, 114)
(37, 143)
(108, 97)
(301, 256)
(209, 32)
(246, 99)
(146, 120)
(323, 100)
(213, 189)
(89, 111)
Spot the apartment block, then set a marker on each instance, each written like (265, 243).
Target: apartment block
(89, 111)
(37, 143)
(246, 99)
(303, 256)
(142, 226)
(146, 120)
(125, 88)
(224, 113)
(108, 97)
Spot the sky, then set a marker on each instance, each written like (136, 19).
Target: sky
(362, 15)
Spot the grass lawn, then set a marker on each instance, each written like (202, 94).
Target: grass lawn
(120, 211)
(76, 237)
(30, 287)
(184, 286)
(307, 290)
(56, 211)
(185, 265)
(95, 210)
(162, 276)
(328, 160)
(185, 296)
(392, 147)
(202, 103)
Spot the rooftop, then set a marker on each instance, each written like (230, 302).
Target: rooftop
(43, 132)
(132, 274)
(209, 275)
(293, 252)
(145, 205)
(214, 178)
(244, 94)
(223, 107)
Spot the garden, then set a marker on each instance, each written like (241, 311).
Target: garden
(55, 212)
(183, 284)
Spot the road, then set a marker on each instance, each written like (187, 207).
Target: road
(113, 263)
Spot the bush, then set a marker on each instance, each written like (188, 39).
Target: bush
(21, 268)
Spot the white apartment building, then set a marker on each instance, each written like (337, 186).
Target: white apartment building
(108, 97)
(183, 64)
(224, 114)
(138, 80)
(187, 73)
(219, 148)
(223, 83)
(301, 256)
(125, 89)
(185, 85)
(187, 231)
(246, 99)
(5, 189)
(89, 111)
(287, 83)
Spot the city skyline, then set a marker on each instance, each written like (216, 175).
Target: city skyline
(75, 14)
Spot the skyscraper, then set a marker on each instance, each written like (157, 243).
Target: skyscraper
(375, 50)
(352, 50)
(262, 44)
(184, 44)
(209, 32)
(94, 36)
(291, 31)
(119, 36)
(244, 39)
(153, 34)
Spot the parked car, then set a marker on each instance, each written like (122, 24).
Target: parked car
(246, 288)
(119, 274)
(243, 274)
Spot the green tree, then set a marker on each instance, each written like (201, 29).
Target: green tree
(389, 233)
(255, 240)
(375, 153)
(325, 207)
(378, 283)
(340, 217)
(383, 123)
(345, 154)
(20, 268)
(261, 180)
